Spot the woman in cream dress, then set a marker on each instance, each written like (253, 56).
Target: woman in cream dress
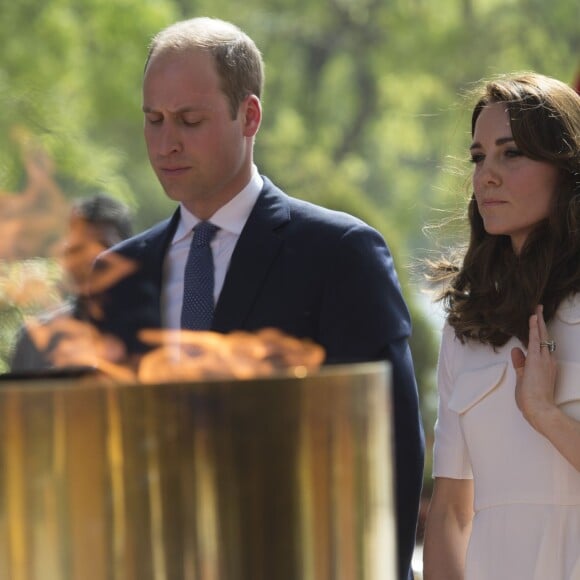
(506, 498)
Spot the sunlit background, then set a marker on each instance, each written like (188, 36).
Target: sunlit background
(364, 111)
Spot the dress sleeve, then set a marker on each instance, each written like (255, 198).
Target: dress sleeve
(450, 457)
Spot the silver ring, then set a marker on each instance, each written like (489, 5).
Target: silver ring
(551, 344)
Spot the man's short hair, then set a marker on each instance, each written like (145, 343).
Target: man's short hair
(238, 60)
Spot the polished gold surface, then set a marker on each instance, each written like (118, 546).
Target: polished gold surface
(287, 478)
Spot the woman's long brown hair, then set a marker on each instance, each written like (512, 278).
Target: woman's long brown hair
(490, 293)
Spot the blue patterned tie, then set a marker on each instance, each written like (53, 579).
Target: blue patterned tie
(197, 310)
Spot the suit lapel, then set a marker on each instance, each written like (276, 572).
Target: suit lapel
(257, 247)
(150, 253)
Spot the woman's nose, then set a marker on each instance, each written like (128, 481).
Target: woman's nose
(487, 174)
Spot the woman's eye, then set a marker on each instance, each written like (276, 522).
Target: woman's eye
(476, 157)
(513, 153)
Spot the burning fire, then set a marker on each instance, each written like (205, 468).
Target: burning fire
(32, 224)
(32, 219)
(177, 355)
(195, 355)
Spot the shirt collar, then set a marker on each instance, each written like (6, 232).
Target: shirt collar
(231, 217)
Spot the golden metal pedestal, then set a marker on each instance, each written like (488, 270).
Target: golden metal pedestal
(273, 479)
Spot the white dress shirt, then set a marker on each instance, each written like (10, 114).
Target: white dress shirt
(231, 219)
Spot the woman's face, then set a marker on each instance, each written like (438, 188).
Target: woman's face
(513, 192)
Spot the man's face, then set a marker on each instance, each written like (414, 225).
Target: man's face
(201, 156)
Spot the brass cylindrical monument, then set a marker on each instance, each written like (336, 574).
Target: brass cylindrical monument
(285, 478)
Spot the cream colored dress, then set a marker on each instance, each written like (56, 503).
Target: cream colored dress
(527, 496)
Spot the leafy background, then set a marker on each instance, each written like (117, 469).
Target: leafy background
(363, 111)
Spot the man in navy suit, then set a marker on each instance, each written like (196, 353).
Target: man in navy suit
(277, 261)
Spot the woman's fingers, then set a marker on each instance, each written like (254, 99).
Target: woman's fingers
(542, 330)
(534, 337)
(518, 359)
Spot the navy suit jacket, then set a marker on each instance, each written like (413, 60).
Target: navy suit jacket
(311, 272)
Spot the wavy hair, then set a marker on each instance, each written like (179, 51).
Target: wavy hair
(490, 292)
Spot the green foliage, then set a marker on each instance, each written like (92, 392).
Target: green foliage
(27, 288)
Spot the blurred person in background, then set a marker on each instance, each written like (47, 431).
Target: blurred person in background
(270, 260)
(506, 462)
(95, 224)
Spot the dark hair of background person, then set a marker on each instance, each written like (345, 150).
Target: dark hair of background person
(112, 218)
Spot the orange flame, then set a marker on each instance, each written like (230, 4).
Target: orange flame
(31, 220)
(180, 355)
(195, 355)
(32, 223)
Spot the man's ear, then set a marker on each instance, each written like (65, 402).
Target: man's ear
(251, 111)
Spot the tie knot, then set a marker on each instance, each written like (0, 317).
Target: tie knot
(203, 234)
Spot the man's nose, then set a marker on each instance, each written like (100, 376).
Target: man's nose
(170, 139)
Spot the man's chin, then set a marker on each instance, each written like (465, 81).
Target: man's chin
(176, 194)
